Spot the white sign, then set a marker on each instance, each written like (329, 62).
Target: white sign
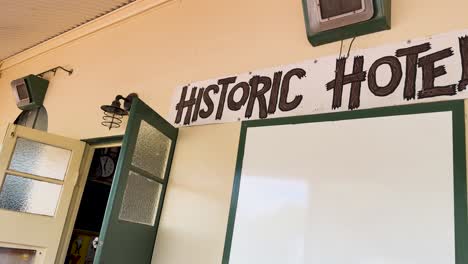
(425, 70)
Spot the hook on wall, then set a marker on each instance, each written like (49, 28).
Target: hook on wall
(54, 70)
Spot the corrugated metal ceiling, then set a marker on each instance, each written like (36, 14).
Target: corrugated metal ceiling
(26, 23)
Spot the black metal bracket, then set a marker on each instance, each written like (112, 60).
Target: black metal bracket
(127, 100)
(54, 70)
(1, 70)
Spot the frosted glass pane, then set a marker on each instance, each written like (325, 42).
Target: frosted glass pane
(151, 150)
(140, 201)
(16, 256)
(40, 159)
(29, 196)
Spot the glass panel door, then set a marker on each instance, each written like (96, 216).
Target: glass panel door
(38, 173)
(137, 195)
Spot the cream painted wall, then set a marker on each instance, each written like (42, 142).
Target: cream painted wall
(181, 42)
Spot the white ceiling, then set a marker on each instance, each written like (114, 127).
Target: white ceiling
(26, 23)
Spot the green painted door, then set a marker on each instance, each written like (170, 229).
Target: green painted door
(132, 215)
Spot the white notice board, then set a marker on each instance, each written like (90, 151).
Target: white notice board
(375, 190)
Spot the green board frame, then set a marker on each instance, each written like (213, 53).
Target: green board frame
(459, 160)
(379, 22)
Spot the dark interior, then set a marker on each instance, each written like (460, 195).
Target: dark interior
(93, 206)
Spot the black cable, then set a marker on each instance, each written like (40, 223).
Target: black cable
(349, 49)
(341, 49)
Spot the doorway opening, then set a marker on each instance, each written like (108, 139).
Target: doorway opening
(89, 220)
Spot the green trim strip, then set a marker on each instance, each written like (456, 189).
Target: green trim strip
(459, 160)
(104, 140)
(459, 182)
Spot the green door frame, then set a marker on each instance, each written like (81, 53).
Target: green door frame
(459, 160)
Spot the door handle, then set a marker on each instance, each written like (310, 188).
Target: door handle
(97, 242)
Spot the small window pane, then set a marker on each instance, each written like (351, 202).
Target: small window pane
(333, 8)
(29, 196)
(40, 159)
(151, 150)
(16, 256)
(141, 199)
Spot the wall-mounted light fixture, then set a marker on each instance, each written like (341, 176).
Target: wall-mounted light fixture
(30, 91)
(114, 113)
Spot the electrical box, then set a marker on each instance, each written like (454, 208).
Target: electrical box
(29, 91)
(334, 20)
